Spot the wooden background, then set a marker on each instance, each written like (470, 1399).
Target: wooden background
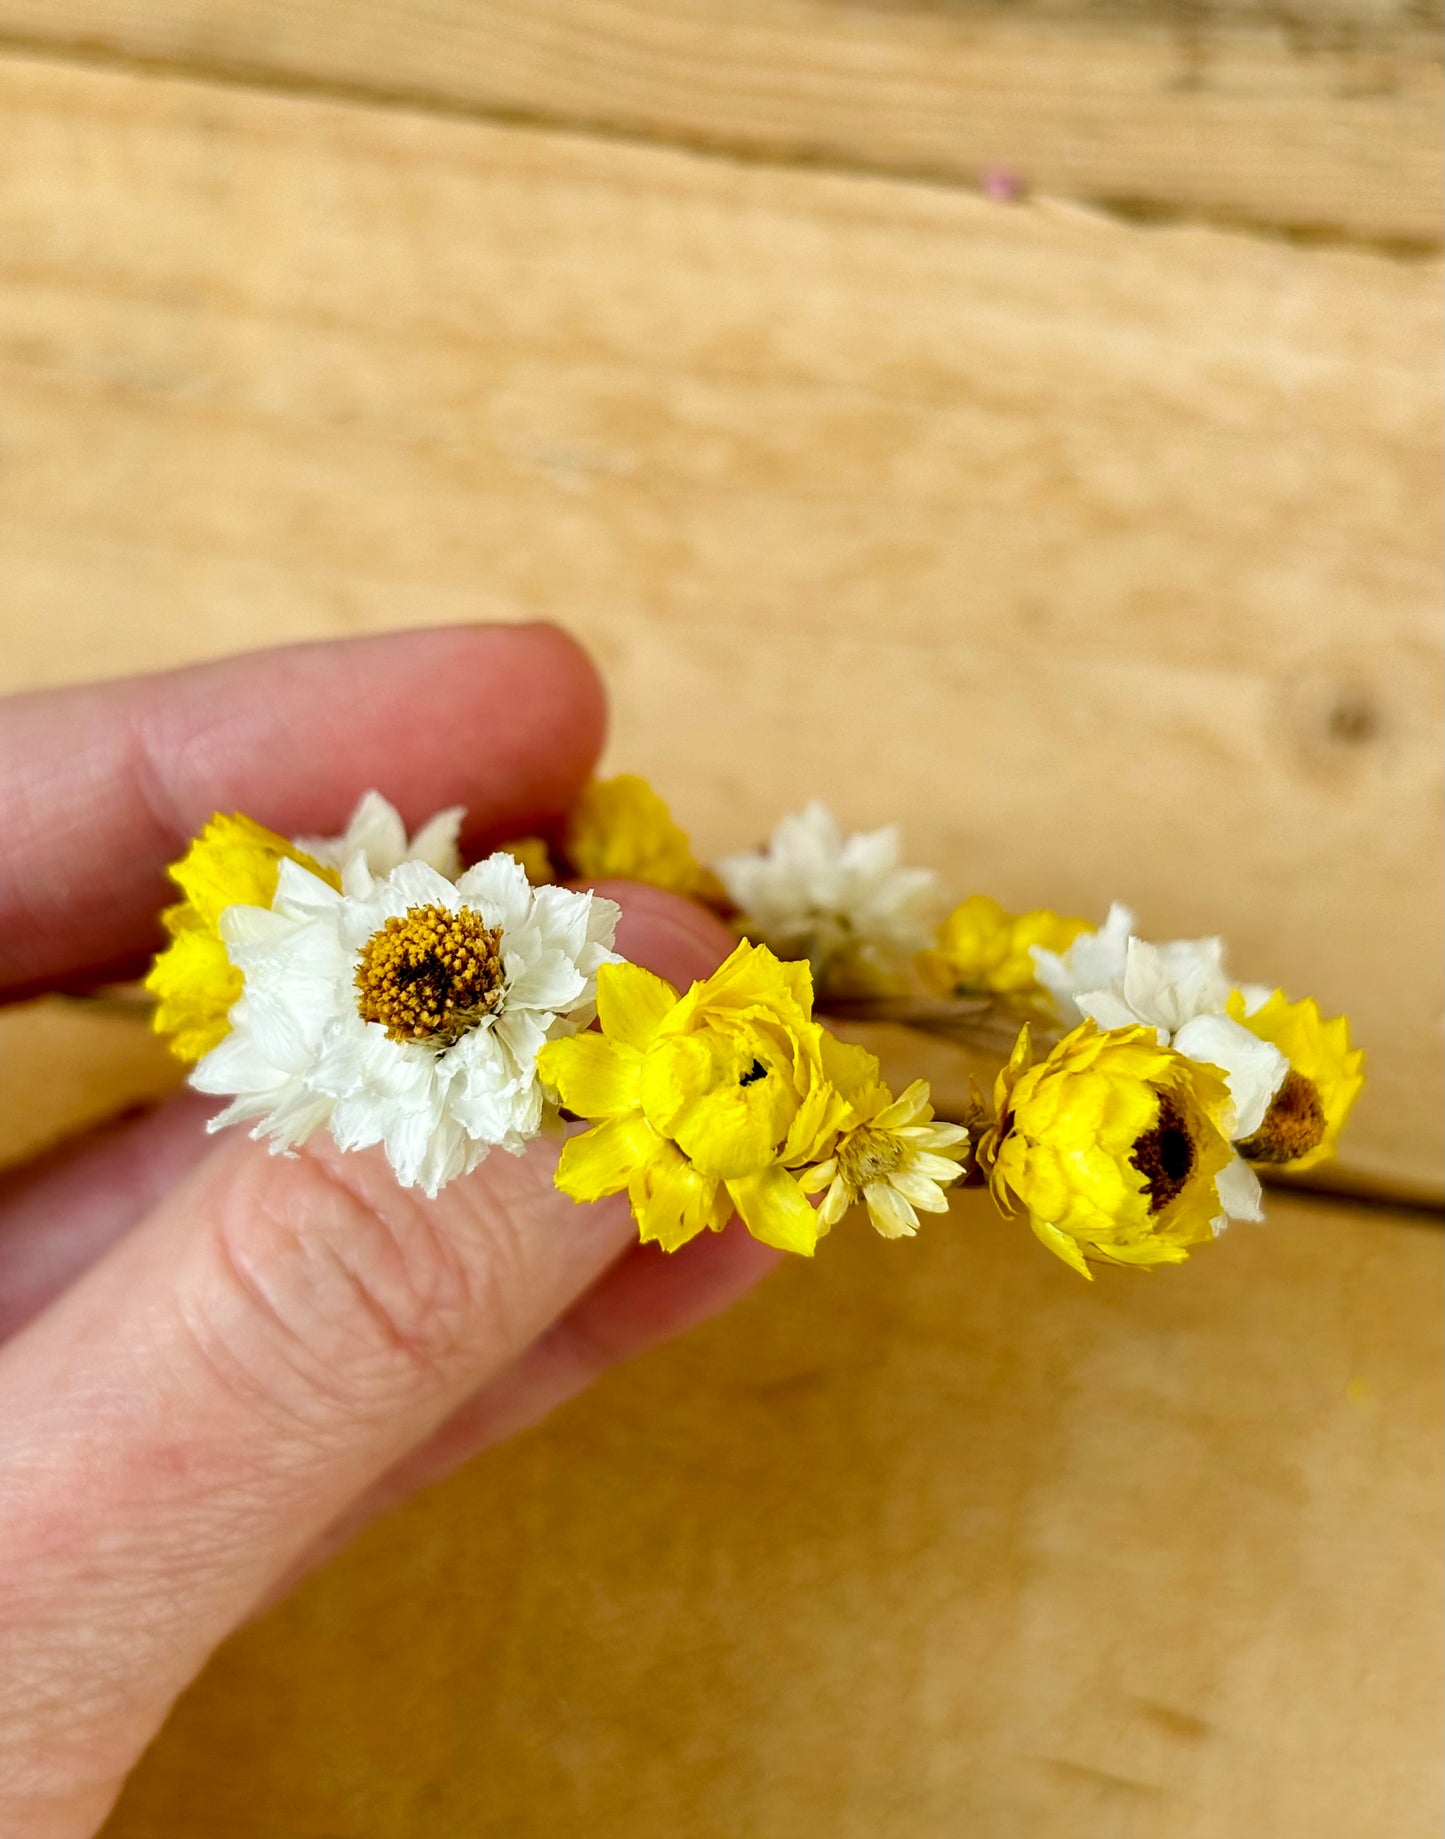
(1095, 530)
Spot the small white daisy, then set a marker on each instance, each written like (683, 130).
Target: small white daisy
(1179, 989)
(376, 833)
(407, 1010)
(895, 1161)
(845, 903)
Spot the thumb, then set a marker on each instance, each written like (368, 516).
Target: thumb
(186, 1420)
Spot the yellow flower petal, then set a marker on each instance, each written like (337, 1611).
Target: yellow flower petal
(673, 1202)
(620, 829)
(1061, 1245)
(534, 856)
(194, 984)
(234, 862)
(603, 1160)
(773, 1208)
(632, 1004)
(592, 1076)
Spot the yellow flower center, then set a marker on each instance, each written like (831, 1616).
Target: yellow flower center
(1164, 1155)
(867, 1156)
(1293, 1125)
(430, 975)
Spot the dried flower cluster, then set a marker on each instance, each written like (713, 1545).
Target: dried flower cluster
(369, 985)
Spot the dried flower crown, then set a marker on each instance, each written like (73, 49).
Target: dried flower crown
(368, 985)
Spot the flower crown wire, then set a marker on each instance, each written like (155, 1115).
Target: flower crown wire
(369, 985)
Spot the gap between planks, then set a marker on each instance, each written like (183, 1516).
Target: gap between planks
(1131, 210)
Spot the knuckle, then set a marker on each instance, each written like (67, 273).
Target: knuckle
(320, 1295)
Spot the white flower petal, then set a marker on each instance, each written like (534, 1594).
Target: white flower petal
(375, 840)
(417, 884)
(436, 841)
(814, 892)
(550, 981)
(499, 890)
(1254, 1070)
(1170, 984)
(302, 895)
(1109, 1010)
(1094, 961)
(1239, 1193)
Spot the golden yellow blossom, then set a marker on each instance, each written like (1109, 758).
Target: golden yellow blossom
(1113, 1144)
(234, 862)
(704, 1103)
(535, 857)
(1306, 1115)
(982, 948)
(620, 829)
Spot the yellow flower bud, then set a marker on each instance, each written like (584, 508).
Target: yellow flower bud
(982, 949)
(620, 829)
(1113, 1145)
(234, 862)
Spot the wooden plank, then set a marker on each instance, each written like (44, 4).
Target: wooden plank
(1322, 121)
(1105, 559)
(930, 1539)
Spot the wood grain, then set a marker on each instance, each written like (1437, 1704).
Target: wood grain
(931, 1539)
(1323, 121)
(1105, 559)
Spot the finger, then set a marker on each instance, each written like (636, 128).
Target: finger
(63, 1212)
(102, 786)
(645, 1298)
(289, 1330)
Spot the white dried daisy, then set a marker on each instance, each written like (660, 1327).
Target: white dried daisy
(376, 833)
(1179, 989)
(845, 903)
(896, 1160)
(406, 1010)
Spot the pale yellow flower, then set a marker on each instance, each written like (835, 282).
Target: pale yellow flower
(895, 1160)
(1307, 1113)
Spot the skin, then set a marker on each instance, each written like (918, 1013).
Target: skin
(216, 1365)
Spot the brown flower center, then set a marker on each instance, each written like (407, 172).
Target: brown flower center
(1164, 1155)
(1293, 1125)
(867, 1156)
(430, 975)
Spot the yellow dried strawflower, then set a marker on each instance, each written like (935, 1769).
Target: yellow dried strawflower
(1116, 1147)
(981, 948)
(535, 857)
(620, 829)
(707, 1102)
(234, 862)
(1307, 1113)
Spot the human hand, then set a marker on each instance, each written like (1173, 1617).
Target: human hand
(215, 1365)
